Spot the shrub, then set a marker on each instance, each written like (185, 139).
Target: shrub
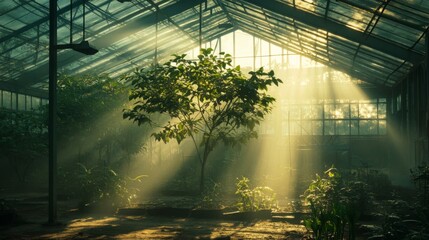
(258, 198)
(100, 186)
(211, 197)
(333, 205)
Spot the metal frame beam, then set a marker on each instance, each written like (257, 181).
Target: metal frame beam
(36, 75)
(339, 67)
(395, 50)
(38, 22)
(35, 92)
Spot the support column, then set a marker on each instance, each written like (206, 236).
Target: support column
(52, 197)
(427, 92)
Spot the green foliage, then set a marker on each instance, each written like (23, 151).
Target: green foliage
(83, 99)
(420, 177)
(405, 220)
(334, 204)
(258, 198)
(382, 190)
(100, 186)
(92, 132)
(23, 140)
(296, 206)
(207, 97)
(88, 106)
(90, 111)
(211, 197)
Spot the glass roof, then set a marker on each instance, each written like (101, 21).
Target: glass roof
(377, 41)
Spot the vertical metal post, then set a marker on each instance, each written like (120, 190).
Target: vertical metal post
(156, 35)
(200, 30)
(233, 49)
(52, 198)
(269, 56)
(219, 40)
(254, 53)
(427, 91)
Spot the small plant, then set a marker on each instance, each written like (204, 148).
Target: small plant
(258, 198)
(405, 220)
(101, 186)
(420, 177)
(383, 188)
(295, 206)
(211, 197)
(333, 206)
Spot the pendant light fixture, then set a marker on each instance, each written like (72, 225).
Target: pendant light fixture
(84, 46)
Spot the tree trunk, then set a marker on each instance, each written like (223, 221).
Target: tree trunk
(202, 178)
(203, 163)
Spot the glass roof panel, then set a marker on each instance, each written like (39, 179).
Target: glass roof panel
(382, 38)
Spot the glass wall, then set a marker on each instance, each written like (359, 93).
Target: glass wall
(20, 102)
(314, 99)
(333, 117)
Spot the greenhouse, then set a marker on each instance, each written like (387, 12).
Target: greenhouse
(214, 119)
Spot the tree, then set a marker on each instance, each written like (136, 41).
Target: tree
(207, 97)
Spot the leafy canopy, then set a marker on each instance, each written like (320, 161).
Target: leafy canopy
(206, 96)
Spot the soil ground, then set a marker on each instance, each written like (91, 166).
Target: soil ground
(75, 224)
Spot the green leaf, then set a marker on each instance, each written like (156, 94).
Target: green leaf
(204, 96)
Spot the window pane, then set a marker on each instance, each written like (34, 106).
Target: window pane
(35, 103)
(317, 111)
(342, 111)
(342, 127)
(317, 127)
(306, 128)
(367, 110)
(382, 129)
(354, 110)
(398, 102)
(6, 99)
(368, 127)
(354, 127)
(306, 112)
(382, 110)
(329, 128)
(13, 101)
(21, 102)
(329, 111)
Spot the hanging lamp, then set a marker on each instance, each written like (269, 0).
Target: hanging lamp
(84, 46)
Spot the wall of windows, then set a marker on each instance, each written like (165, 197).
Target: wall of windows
(314, 99)
(334, 117)
(21, 102)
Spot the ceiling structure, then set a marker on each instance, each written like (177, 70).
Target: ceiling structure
(377, 41)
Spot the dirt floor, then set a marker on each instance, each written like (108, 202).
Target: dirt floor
(78, 225)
